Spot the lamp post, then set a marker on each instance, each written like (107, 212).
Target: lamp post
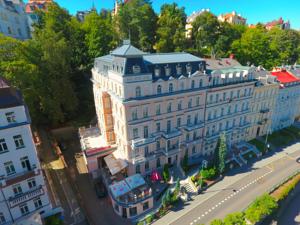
(203, 165)
(267, 146)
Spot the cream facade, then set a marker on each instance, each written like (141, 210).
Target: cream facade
(263, 105)
(232, 18)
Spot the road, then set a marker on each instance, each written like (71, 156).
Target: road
(221, 200)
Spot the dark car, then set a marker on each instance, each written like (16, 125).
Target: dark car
(100, 189)
(298, 160)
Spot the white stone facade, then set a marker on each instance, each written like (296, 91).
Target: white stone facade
(22, 187)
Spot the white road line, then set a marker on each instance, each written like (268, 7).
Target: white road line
(202, 215)
(206, 213)
(209, 210)
(199, 218)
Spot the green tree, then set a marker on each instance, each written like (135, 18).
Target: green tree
(205, 33)
(177, 188)
(254, 48)
(171, 29)
(216, 222)
(166, 173)
(262, 206)
(235, 219)
(137, 20)
(184, 163)
(222, 151)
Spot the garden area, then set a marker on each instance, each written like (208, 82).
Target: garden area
(204, 177)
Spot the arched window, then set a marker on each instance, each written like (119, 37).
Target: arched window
(179, 105)
(170, 87)
(193, 84)
(158, 89)
(138, 91)
(200, 83)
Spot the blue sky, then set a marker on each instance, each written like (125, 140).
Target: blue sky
(254, 10)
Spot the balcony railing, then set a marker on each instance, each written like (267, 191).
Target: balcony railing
(264, 110)
(24, 197)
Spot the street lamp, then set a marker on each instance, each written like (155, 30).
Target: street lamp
(204, 165)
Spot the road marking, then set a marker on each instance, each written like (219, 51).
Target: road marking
(213, 208)
(206, 213)
(202, 215)
(209, 210)
(199, 218)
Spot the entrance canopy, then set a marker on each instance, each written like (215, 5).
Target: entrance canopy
(114, 165)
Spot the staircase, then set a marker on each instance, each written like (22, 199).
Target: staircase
(189, 190)
(240, 160)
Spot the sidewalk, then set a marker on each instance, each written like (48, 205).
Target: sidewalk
(223, 184)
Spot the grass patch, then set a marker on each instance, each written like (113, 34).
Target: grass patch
(294, 130)
(283, 191)
(258, 144)
(280, 138)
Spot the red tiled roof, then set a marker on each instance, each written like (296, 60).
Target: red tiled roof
(284, 76)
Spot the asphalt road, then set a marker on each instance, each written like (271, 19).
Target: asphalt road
(247, 189)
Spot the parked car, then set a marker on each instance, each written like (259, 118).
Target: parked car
(100, 189)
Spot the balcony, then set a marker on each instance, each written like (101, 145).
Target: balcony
(24, 197)
(18, 177)
(264, 110)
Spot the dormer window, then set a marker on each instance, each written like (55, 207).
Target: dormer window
(10, 117)
(168, 71)
(157, 71)
(201, 67)
(178, 69)
(189, 68)
(136, 69)
(170, 87)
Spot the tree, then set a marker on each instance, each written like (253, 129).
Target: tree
(216, 222)
(235, 219)
(177, 187)
(222, 151)
(99, 36)
(136, 20)
(262, 206)
(171, 29)
(205, 33)
(168, 196)
(184, 163)
(254, 48)
(166, 173)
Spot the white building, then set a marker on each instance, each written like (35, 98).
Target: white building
(190, 20)
(13, 19)
(232, 18)
(22, 186)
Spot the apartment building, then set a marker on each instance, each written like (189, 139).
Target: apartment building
(228, 102)
(150, 105)
(190, 20)
(22, 186)
(13, 19)
(263, 104)
(288, 99)
(232, 18)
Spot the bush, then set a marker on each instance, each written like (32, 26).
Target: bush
(184, 163)
(53, 220)
(216, 222)
(201, 183)
(286, 190)
(235, 218)
(149, 219)
(208, 174)
(261, 207)
(166, 173)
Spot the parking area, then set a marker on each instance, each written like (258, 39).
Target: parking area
(98, 210)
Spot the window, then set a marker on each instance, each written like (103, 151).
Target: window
(138, 92)
(146, 134)
(145, 112)
(138, 169)
(224, 96)
(116, 207)
(229, 110)
(132, 211)
(190, 103)
(238, 93)
(168, 144)
(136, 69)
(157, 145)
(179, 107)
(157, 72)
(187, 137)
(169, 107)
(134, 114)
(10, 117)
(158, 89)
(196, 119)
(198, 101)
(17, 189)
(193, 150)
(25, 163)
(146, 151)
(19, 141)
(170, 87)
(168, 126)
(194, 135)
(147, 165)
(3, 146)
(235, 108)
(209, 115)
(211, 98)
(24, 209)
(157, 127)
(145, 206)
(189, 68)
(2, 219)
(157, 109)
(222, 111)
(188, 120)
(178, 122)
(168, 71)
(31, 183)
(178, 70)
(193, 84)
(9, 168)
(135, 133)
(200, 83)
(158, 162)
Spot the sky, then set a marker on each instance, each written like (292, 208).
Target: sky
(254, 10)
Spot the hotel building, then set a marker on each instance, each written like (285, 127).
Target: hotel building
(22, 187)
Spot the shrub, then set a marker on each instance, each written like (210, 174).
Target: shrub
(262, 206)
(184, 163)
(235, 218)
(286, 190)
(149, 219)
(209, 173)
(166, 173)
(201, 183)
(216, 222)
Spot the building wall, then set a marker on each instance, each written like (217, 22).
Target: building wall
(23, 172)
(14, 21)
(262, 108)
